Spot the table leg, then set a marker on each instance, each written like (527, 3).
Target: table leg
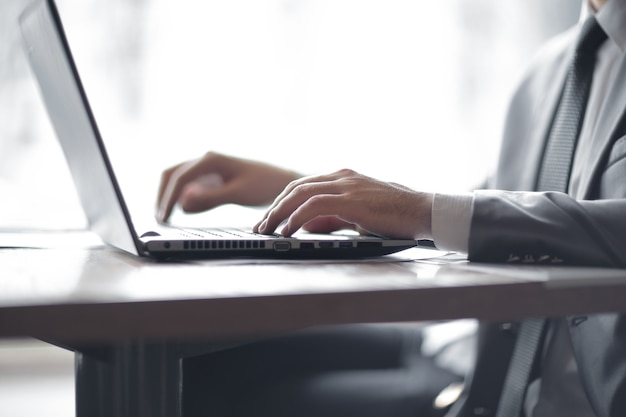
(129, 380)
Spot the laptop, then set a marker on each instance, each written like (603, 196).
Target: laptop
(108, 215)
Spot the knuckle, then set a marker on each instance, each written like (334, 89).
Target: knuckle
(300, 190)
(316, 201)
(345, 172)
(273, 214)
(293, 184)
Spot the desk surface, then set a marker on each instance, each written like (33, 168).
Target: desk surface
(100, 294)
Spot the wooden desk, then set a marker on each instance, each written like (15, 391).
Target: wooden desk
(131, 321)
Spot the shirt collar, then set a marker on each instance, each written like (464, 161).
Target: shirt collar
(612, 18)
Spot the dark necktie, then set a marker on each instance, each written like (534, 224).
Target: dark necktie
(557, 159)
(553, 176)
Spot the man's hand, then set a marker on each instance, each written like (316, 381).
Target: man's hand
(217, 179)
(346, 199)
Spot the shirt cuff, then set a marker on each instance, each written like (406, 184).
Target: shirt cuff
(451, 220)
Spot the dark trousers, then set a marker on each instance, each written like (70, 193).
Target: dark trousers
(356, 370)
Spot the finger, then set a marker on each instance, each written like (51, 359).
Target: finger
(297, 192)
(204, 193)
(165, 179)
(327, 224)
(308, 180)
(283, 209)
(178, 179)
(318, 206)
(210, 191)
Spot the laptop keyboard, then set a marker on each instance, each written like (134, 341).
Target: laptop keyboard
(226, 233)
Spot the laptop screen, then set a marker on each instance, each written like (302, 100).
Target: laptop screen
(75, 126)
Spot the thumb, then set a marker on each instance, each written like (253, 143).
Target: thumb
(202, 194)
(326, 224)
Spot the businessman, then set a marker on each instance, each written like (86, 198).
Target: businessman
(558, 197)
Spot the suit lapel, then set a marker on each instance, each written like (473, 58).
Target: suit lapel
(605, 134)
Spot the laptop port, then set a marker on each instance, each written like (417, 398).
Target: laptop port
(282, 246)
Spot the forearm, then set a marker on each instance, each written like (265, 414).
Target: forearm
(547, 228)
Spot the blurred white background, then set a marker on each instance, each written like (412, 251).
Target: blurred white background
(404, 90)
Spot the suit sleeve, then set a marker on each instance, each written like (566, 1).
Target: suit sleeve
(547, 227)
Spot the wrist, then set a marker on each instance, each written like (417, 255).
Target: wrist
(426, 216)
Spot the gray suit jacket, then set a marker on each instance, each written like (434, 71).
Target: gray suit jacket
(587, 227)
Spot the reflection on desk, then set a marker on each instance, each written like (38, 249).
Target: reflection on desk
(102, 294)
